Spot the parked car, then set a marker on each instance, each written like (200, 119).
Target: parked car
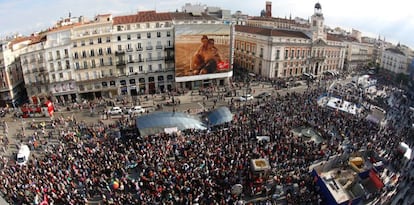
(23, 155)
(115, 111)
(308, 76)
(136, 110)
(247, 97)
(263, 95)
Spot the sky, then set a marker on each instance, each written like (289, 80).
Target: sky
(390, 19)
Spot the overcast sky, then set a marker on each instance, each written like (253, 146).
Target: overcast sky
(392, 19)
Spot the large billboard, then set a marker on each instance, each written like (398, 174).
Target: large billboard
(202, 51)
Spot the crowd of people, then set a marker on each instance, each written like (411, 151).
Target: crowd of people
(91, 162)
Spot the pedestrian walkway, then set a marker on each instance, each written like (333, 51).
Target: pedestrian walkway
(2, 201)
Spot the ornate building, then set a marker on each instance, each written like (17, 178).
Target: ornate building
(280, 52)
(396, 61)
(12, 90)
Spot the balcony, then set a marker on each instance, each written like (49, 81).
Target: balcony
(41, 82)
(140, 49)
(158, 47)
(129, 50)
(168, 47)
(119, 53)
(148, 47)
(155, 59)
(42, 69)
(169, 58)
(120, 63)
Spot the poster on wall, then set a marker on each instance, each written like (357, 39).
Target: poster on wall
(202, 49)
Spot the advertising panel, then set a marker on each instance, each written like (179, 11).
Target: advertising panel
(202, 51)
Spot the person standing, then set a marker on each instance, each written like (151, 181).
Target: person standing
(198, 60)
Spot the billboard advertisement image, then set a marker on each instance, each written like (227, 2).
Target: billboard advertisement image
(202, 49)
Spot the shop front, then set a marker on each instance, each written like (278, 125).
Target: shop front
(124, 88)
(161, 86)
(142, 86)
(64, 92)
(151, 85)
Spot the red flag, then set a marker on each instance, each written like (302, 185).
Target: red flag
(223, 65)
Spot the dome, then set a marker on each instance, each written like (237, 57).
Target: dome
(318, 6)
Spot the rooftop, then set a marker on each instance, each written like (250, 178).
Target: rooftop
(191, 17)
(333, 37)
(280, 20)
(395, 50)
(338, 181)
(142, 16)
(270, 32)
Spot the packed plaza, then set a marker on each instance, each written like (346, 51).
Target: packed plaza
(90, 161)
(203, 107)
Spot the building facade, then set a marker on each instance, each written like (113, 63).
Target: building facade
(93, 57)
(34, 68)
(275, 50)
(144, 52)
(59, 66)
(126, 55)
(394, 60)
(12, 89)
(358, 54)
(271, 53)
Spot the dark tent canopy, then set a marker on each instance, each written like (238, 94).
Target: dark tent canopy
(219, 116)
(156, 122)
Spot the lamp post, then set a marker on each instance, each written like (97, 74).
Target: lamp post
(173, 103)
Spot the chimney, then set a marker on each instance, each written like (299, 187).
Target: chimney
(268, 9)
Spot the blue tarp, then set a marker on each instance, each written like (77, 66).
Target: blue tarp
(156, 122)
(219, 116)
